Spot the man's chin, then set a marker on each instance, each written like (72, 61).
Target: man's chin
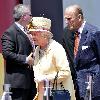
(72, 29)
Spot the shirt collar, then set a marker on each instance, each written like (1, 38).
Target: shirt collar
(82, 26)
(20, 26)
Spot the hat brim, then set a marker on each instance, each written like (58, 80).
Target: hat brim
(39, 30)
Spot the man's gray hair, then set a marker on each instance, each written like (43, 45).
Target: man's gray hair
(19, 10)
(77, 9)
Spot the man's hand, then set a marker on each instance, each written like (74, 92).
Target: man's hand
(30, 60)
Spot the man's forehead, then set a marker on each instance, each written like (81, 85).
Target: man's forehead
(69, 15)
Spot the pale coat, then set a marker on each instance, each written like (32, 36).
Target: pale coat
(46, 65)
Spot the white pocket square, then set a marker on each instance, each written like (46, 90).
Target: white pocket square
(84, 47)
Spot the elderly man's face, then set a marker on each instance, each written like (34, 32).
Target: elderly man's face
(71, 19)
(26, 17)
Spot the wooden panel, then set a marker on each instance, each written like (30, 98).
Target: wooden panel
(1, 74)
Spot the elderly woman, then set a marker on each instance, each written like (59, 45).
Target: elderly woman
(50, 58)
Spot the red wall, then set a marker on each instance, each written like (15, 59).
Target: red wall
(6, 18)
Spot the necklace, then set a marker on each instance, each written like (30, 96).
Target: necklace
(44, 51)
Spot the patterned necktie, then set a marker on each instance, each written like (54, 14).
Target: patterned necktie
(25, 30)
(76, 43)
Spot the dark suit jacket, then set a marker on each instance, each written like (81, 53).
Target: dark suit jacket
(83, 57)
(68, 44)
(88, 60)
(87, 50)
(15, 48)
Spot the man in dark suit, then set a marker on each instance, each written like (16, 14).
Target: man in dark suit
(17, 52)
(87, 60)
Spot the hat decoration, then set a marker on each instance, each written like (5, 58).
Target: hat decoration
(40, 24)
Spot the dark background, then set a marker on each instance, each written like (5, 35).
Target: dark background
(53, 10)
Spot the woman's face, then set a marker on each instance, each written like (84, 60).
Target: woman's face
(39, 38)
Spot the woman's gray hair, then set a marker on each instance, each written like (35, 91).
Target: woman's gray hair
(47, 35)
(20, 10)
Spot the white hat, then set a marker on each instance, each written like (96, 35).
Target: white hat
(40, 24)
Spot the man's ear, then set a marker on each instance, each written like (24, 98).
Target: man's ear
(80, 17)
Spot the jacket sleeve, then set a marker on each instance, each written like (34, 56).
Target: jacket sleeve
(9, 48)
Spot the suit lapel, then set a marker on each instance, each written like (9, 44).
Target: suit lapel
(83, 38)
(82, 42)
(22, 33)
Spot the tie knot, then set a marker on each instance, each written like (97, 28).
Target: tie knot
(77, 33)
(25, 29)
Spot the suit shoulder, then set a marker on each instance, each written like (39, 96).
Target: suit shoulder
(91, 28)
(11, 28)
(10, 32)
